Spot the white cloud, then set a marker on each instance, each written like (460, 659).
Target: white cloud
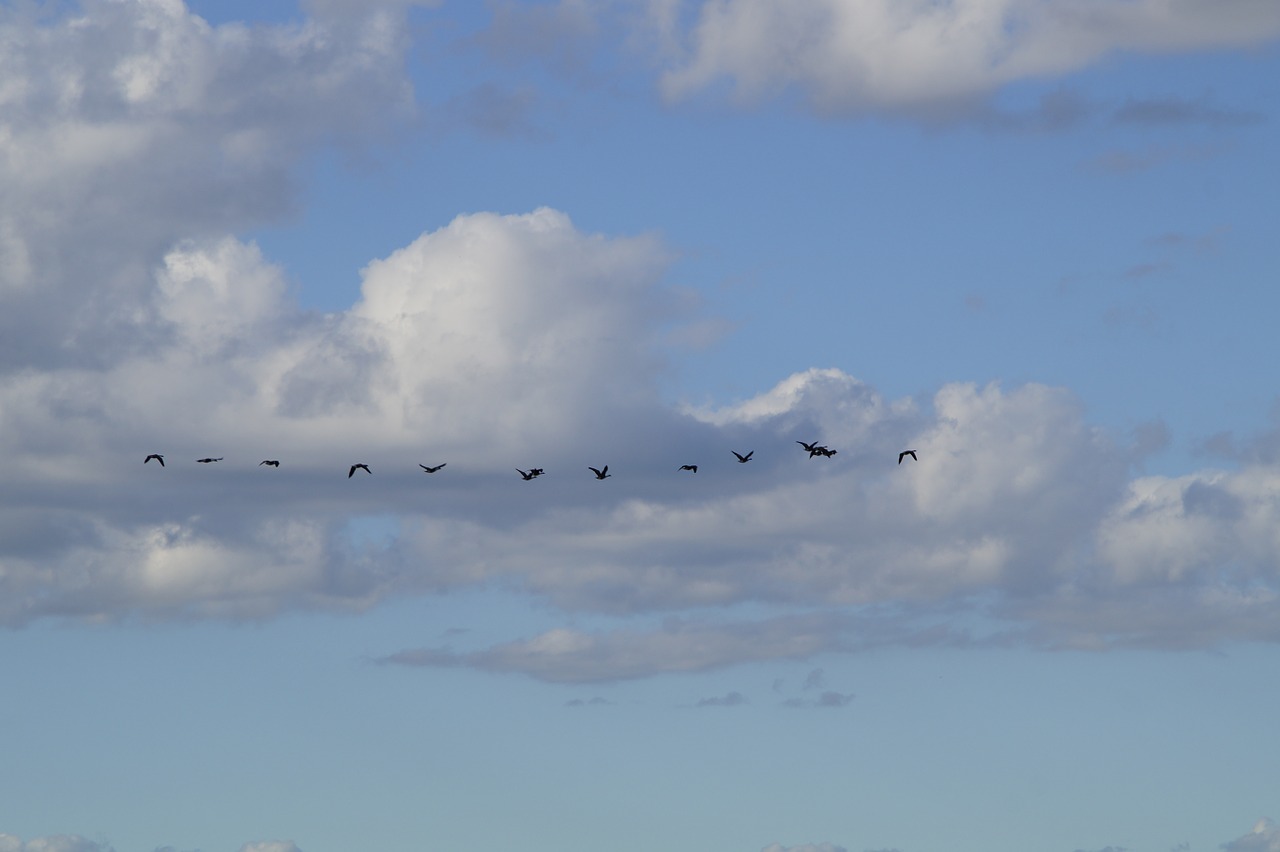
(130, 127)
(852, 55)
(454, 338)
(500, 342)
(1265, 837)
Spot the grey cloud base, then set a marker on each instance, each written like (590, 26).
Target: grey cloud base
(1017, 509)
(1015, 498)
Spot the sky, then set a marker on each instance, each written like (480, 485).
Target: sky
(1033, 240)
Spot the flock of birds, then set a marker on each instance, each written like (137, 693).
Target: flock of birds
(813, 448)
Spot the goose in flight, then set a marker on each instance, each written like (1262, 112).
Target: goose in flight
(809, 447)
(271, 462)
(741, 458)
(693, 468)
(155, 456)
(527, 475)
(432, 469)
(205, 461)
(601, 474)
(536, 471)
(906, 453)
(822, 451)
(356, 467)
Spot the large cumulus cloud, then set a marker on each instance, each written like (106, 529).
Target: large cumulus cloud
(128, 126)
(138, 323)
(511, 341)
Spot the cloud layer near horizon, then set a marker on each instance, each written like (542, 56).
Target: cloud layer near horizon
(497, 342)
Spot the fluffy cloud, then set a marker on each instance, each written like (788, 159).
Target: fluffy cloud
(1016, 507)
(500, 342)
(129, 127)
(453, 339)
(1265, 837)
(872, 54)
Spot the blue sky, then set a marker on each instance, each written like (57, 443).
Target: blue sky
(1034, 241)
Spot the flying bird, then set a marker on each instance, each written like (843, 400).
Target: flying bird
(527, 475)
(809, 447)
(155, 456)
(741, 458)
(272, 462)
(356, 467)
(206, 461)
(536, 471)
(432, 469)
(906, 453)
(601, 474)
(689, 467)
(822, 451)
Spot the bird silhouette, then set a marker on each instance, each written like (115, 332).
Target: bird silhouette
(155, 456)
(689, 467)
(741, 458)
(527, 475)
(536, 471)
(356, 467)
(808, 447)
(906, 453)
(206, 461)
(601, 474)
(271, 462)
(432, 469)
(822, 451)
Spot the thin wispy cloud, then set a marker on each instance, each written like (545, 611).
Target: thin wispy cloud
(1176, 111)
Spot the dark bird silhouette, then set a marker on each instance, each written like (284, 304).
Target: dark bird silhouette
(356, 467)
(601, 474)
(906, 453)
(822, 451)
(155, 456)
(808, 447)
(536, 471)
(432, 469)
(527, 475)
(272, 462)
(690, 467)
(205, 461)
(741, 458)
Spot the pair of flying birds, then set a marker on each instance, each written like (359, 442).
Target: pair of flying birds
(160, 458)
(365, 468)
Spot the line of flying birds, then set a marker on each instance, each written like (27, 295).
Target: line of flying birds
(814, 449)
